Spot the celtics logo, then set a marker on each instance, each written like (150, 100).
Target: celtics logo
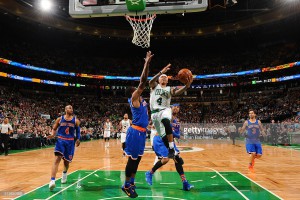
(135, 2)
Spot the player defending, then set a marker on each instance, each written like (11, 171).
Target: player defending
(65, 126)
(124, 125)
(253, 145)
(162, 152)
(136, 134)
(107, 129)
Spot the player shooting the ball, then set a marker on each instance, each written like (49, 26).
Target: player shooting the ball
(161, 115)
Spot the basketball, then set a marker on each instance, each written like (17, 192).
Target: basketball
(184, 75)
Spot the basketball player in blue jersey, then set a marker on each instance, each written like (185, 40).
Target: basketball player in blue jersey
(136, 133)
(175, 121)
(253, 146)
(162, 152)
(65, 127)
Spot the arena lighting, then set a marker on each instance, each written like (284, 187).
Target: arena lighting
(46, 5)
(231, 2)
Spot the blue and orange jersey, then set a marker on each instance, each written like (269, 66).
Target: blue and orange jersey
(253, 131)
(66, 128)
(139, 115)
(176, 128)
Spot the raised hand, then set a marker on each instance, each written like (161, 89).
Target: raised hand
(148, 58)
(166, 68)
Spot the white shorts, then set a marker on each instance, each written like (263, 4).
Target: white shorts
(123, 137)
(157, 117)
(106, 134)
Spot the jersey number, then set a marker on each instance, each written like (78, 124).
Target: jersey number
(254, 131)
(159, 101)
(67, 131)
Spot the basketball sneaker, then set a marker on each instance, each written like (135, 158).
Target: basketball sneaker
(187, 186)
(52, 185)
(130, 191)
(133, 186)
(149, 177)
(64, 178)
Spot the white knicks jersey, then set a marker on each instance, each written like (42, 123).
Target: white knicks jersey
(107, 126)
(160, 98)
(125, 125)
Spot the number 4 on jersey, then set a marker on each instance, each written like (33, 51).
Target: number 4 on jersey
(67, 130)
(159, 101)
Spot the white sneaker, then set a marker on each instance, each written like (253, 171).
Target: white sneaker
(64, 178)
(52, 185)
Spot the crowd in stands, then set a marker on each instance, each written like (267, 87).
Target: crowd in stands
(32, 115)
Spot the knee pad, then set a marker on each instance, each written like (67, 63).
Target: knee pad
(178, 160)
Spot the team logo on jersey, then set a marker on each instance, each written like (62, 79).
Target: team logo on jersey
(162, 92)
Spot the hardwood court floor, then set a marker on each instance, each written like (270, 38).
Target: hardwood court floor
(277, 171)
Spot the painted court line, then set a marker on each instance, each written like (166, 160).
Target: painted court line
(41, 186)
(260, 185)
(167, 183)
(96, 175)
(76, 182)
(196, 181)
(163, 197)
(109, 179)
(229, 183)
(225, 180)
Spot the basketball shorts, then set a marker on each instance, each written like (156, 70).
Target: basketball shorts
(254, 148)
(135, 143)
(65, 148)
(160, 147)
(157, 117)
(123, 137)
(106, 134)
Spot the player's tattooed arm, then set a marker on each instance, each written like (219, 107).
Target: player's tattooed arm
(175, 91)
(242, 130)
(262, 130)
(153, 81)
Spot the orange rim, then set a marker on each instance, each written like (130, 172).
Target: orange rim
(140, 20)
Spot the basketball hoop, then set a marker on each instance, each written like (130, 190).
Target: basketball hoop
(141, 25)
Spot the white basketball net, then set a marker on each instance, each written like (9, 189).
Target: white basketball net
(141, 25)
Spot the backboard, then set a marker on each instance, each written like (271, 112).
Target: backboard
(108, 8)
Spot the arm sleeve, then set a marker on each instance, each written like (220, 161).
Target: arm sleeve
(78, 132)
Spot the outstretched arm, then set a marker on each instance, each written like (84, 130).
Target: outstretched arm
(176, 92)
(153, 81)
(137, 93)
